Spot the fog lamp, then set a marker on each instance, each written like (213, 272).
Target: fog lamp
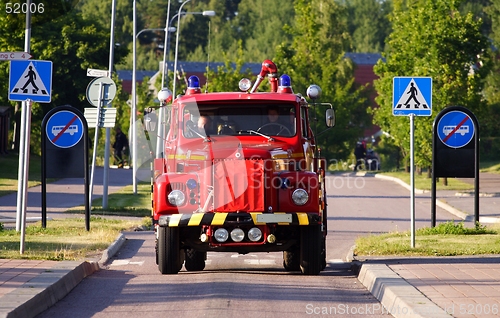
(254, 234)
(221, 235)
(237, 235)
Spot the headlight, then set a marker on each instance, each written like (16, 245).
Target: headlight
(176, 197)
(237, 235)
(221, 235)
(300, 197)
(254, 234)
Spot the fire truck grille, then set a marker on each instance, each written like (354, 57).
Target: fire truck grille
(238, 185)
(176, 186)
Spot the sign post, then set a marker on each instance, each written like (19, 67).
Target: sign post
(100, 92)
(29, 81)
(64, 151)
(455, 151)
(412, 96)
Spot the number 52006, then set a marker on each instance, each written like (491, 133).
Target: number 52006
(16, 8)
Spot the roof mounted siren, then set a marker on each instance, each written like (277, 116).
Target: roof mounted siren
(193, 85)
(271, 70)
(285, 84)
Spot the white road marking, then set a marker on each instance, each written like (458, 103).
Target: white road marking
(123, 262)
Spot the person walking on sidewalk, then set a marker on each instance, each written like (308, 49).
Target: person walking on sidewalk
(360, 154)
(120, 146)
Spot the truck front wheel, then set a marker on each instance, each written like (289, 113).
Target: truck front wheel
(195, 260)
(169, 260)
(310, 249)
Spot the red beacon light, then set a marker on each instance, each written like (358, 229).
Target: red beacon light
(285, 84)
(193, 85)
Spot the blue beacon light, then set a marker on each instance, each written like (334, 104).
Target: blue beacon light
(285, 84)
(193, 85)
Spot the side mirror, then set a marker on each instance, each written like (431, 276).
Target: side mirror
(330, 117)
(150, 119)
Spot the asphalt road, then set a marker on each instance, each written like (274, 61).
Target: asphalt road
(253, 284)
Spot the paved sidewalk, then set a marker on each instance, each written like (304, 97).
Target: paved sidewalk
(29, 287)
(442, 286)
(406, 287)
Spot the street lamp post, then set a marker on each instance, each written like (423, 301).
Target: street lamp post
(134, 90)
(161, 113)
(168, 28)
(205, 13)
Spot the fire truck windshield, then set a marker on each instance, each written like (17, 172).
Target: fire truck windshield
(239, 119)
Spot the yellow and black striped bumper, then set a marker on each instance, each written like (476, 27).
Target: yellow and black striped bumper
(238, 219)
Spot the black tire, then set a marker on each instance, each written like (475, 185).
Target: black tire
(195, 260)
(169, 256)
(323, 253)
(311, 249)
(325, 231)
(291, 260)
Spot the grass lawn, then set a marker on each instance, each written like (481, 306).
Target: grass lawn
(446, 239)
(63, 239)
(9, 173)
(67, 239)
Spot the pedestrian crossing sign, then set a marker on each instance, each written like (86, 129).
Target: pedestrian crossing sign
(30, 79)
(412, 95)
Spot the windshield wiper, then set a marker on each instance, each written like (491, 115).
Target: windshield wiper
(261, 134)
(205, 138)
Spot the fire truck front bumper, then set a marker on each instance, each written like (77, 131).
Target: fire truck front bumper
(240, 232)
(232, 219)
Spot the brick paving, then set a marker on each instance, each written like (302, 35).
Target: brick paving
(463, 287)
(14, 273)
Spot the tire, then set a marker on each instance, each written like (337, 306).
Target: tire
(291, 260)
(169, 256)
(195, 260)
(311, 250)
(323, 253)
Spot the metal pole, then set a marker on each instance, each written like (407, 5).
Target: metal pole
(412, 180)
(108, 134)
(96, 136)
(177, 46)
(161, 113)
(20, 178)
(134, 103)
(24, 132)
(26, 175)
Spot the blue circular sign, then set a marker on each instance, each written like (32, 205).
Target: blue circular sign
(455, 129)
(64, 129)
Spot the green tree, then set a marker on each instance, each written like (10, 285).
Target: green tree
(431, 38)
(316, 56)
(227, 77)
(72, 43)
(368, 24)
(258, 25)
(490, 136)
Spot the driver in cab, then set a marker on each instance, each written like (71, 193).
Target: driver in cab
(273, 125)
(202, 127)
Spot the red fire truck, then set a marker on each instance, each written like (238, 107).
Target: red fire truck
(241, 173)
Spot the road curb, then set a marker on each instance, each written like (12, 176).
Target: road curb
(396, 295)
(46, 289)
(400, 182)
(112, 249)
